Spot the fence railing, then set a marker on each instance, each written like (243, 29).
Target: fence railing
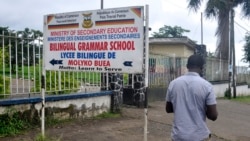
(172, 67)
(21, 67)
(163, 69)
(216, 69)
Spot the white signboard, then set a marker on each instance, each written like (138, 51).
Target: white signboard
(107, 40)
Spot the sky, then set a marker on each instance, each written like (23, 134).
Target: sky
(19, 14)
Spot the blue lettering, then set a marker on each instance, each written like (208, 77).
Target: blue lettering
(67, 55)
(111, 55)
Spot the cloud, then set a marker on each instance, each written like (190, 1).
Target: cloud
(20, 14)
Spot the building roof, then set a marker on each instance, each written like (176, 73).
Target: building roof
(182, 40)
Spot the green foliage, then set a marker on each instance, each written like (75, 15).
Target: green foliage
(26, 72)
(23, 40)
(246, 49)
(107, 115)
(52, 82)
(168, 31)
(227, 93)
(4, 55)
(11, 123)
(6, 88)
(243, 99)
(40, 137)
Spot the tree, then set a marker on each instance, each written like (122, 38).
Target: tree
(246, 49)
(6, 32)
(4, 52)
(5, 57)
(26, 40)
(219, 9)
(168, 31)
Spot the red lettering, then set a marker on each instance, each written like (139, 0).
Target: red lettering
(102, 63)
(122, 45)
(92, 46)
(52, 46)
(80, 62)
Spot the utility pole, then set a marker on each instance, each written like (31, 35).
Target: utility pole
(233, 50)
(231, 38)
(101, 4)
(201, 28)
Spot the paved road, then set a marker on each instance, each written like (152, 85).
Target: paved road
(233, 124)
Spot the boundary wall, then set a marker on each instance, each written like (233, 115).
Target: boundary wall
(61, 106)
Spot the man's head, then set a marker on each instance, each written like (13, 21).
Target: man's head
(195, 63)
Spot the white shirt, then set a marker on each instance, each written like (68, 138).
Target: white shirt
(189, 95)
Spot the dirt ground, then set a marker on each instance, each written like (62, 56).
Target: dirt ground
(128, 127)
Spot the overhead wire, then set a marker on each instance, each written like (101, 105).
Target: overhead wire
(242, 21)
(241, 26)
(239, 31)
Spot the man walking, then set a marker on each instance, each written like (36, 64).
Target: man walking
(191, 98)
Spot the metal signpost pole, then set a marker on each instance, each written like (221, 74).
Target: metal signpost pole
(146, 40)
(43, 105)
(43, 86)
(43, 101)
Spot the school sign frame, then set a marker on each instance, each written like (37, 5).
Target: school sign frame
(105, 40)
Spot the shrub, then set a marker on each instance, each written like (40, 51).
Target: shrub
(227, 93)
(4, 89)
(12, 123)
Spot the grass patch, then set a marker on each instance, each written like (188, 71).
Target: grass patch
(12, 124)
(242, 99)
(40, 137)
(25, 71)
(107, 115)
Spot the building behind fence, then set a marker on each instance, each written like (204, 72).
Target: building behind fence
(21, 66)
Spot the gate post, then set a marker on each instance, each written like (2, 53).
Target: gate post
(115, 81)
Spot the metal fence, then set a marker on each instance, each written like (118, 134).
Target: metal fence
(163, 69)
(21, 67)
(216, 69)
(243, 75)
